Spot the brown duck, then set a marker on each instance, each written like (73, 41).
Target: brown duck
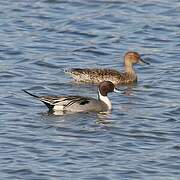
(98, 75)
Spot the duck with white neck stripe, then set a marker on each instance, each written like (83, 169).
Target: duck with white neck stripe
(80, 103)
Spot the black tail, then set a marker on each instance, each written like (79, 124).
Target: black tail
(50, 106)
(30, 94)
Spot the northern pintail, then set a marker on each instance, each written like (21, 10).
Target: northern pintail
(98, 75)
(80, 103)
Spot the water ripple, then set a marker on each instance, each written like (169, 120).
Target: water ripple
(139, 139)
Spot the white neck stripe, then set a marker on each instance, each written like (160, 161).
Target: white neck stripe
(106, 100)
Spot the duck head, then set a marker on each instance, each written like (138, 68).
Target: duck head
(106, 87)
(132, 58)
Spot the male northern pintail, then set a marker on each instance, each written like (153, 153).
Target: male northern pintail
(80, 103)
(99, 75)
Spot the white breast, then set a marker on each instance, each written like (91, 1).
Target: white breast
(106, 100)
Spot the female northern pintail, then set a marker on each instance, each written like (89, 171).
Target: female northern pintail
(80, 103)
(99, 75)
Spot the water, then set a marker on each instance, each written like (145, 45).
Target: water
(139, 139)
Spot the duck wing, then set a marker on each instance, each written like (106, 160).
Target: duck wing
(87, 71)
(60, 102)
(95, 75)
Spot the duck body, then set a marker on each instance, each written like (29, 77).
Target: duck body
(74, 104)
(96, 76)
(79, 103)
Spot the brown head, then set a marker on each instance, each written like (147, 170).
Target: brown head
(106, 87)
(131, 58)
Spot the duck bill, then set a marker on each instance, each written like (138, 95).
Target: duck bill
(141, 61)
(117, 90)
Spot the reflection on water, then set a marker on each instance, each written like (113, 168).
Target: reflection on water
(139, 139)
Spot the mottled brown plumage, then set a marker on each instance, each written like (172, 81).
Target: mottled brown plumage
(98, 75)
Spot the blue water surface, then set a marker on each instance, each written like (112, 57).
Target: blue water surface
(140, 139)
